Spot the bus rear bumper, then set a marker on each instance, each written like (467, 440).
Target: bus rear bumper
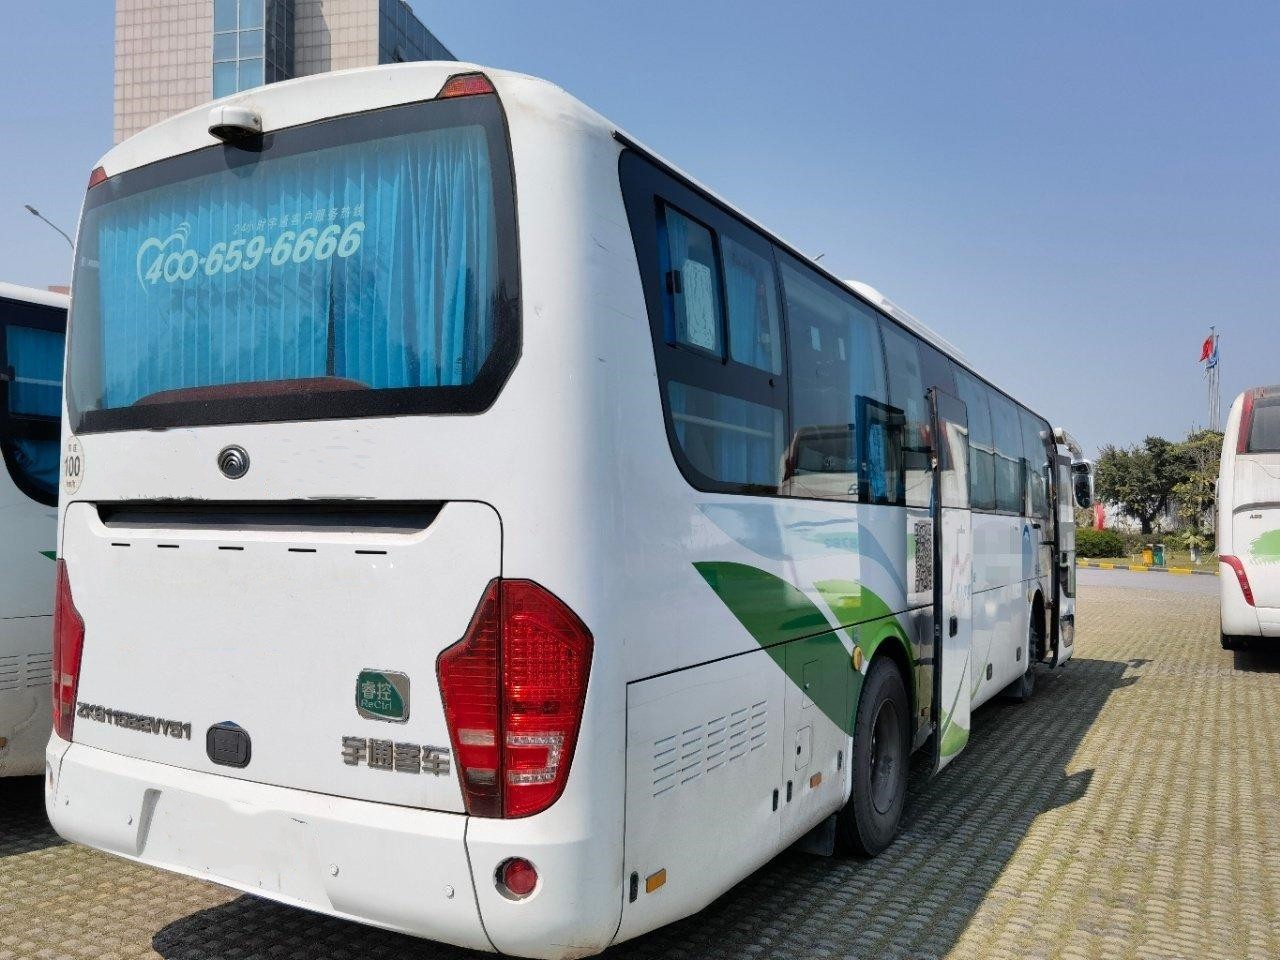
(391, 867)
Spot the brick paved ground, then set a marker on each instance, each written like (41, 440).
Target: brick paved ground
(1132, 809)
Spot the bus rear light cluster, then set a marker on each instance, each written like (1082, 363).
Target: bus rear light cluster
(68, 645)
(465, 85)
(1235, 564)
(514, 688)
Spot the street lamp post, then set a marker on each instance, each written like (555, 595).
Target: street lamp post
(36, 213)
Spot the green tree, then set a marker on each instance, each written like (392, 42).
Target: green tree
(1195, 494)
(1140, 479)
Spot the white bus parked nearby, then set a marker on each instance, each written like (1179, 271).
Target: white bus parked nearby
(1249, 518)
(32, 327)
(474, 527)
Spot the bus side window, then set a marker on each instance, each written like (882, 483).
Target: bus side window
(907, 394)
(982, 467)
(751, 298)
(29, 422)
(730, 440)
(1034, 440)
(690, 283)
(834, 351)
(1010, 459)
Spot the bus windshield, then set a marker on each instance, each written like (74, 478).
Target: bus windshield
(360, 266)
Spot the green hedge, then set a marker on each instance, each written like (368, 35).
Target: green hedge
(1099, 543)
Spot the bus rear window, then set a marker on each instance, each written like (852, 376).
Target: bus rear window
(1264, 427)
(360, 266)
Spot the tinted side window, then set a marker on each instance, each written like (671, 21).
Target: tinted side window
(691, 281)
(907, 396)
(1034, 436)
(1007, 431)
(840, 448)
(751, 294)
(711, 292)
(728, 439)
(982, 457)
(31, 349)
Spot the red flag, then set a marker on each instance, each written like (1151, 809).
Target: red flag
(1207, 349)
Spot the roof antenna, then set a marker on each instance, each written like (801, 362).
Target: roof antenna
(819, 256)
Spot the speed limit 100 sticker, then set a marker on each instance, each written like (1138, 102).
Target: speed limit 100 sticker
(72, 466)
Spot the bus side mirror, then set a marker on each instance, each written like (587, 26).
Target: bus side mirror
(1082, 484)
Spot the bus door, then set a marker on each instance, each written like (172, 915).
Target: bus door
(952, 576)
(1062, 612)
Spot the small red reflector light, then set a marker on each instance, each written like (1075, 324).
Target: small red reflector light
(1235, 564)
(466, 85)
(517, 877)
(68, 645)
(97, 177)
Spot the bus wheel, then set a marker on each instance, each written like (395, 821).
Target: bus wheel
(1022, 688)
(869, 821)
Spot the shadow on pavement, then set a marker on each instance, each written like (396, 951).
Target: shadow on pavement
(915, 900)
(24, 828)
(1263, 657)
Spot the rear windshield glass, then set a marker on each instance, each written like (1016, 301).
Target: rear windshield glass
(360, 266)
(31, 343)
(1264, 431)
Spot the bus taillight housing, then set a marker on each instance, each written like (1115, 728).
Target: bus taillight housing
(68, 645)
(514, 688)
(1237, 567)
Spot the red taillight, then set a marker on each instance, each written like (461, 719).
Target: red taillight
(97, 177)
(68, 644)
(1235, 564)
(513, 689)
(465, 85)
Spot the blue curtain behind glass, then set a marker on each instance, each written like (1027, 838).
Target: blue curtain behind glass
(36, 357)
(412, 307)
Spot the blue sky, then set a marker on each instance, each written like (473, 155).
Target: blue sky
(1071, 193)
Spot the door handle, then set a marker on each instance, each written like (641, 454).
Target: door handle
(954, 625)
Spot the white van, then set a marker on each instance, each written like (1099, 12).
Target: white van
(1249, 517)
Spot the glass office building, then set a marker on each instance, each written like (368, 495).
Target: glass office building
(252, 43)
(172, 55)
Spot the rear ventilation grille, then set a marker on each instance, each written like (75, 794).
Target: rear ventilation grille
(700, 750)
(25, 670)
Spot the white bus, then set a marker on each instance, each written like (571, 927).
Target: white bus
(32, 329)
(1249, 518)
(434, 553)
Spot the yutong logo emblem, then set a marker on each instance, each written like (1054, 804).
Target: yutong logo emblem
(233, 462)
(134, 721)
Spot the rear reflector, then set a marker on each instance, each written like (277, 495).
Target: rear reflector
(514, 689)
(1235, 564)
(517, 878)
(68, 645)
(466, 85)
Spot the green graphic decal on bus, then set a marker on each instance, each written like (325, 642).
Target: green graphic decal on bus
(51, 554)
(775, 612)
(1266, 548)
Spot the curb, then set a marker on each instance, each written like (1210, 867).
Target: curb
(1143, 568)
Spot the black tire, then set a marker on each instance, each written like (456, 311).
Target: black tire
(1022, 688)
(881, 753)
